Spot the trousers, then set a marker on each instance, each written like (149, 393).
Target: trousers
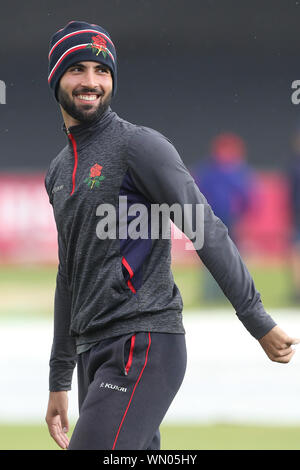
(125, 387)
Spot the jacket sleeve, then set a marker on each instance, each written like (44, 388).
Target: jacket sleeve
(159, 173)
(63, 351)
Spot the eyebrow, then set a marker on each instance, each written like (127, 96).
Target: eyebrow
(79, 64)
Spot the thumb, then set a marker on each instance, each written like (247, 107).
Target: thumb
(295, 341)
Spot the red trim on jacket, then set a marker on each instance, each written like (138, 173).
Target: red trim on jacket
(75, 162)
(131, 273)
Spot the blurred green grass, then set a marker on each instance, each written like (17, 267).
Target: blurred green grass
(175, 437)
(29, 290)
(272, 281)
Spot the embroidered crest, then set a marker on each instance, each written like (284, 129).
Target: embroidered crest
(98, 45)
(95, 176)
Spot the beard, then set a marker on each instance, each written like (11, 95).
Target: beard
(83, 113)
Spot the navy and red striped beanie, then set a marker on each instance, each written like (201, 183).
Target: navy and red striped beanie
(79, 41)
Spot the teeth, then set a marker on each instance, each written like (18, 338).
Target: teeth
(88, 97)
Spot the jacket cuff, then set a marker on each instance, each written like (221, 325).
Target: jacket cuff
(60, 379)
(258, 323)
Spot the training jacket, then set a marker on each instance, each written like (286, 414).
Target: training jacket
(114, 286)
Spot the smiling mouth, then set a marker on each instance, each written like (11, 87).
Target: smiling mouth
(87, 97)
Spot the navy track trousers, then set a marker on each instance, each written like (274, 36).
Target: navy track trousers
(125, 387)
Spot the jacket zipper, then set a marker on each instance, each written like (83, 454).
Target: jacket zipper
(75, 161)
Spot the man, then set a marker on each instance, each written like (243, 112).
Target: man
(118, 312)
(226, 181)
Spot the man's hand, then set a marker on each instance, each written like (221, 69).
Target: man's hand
(57, 418)
(278, 345)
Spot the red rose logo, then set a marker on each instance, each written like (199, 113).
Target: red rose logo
(99, 41)
(95, 176)
(98, 45)
(95, 170)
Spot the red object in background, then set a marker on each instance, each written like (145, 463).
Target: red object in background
(28, 231)
(266, 228)
(27, 227)
(228, 148)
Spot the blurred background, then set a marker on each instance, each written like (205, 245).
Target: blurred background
(216, 78)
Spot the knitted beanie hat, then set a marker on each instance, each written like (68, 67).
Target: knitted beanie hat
(79, 41)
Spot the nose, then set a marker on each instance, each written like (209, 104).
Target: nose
(89, 79)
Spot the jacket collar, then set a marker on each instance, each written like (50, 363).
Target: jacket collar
(84, 132)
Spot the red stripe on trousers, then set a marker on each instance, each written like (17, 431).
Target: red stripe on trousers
(139, 378)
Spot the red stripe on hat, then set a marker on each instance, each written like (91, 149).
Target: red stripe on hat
(73, 49)
(78, 32)
(69, 51)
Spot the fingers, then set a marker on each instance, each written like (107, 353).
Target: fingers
(278, 346)
(284, 341)
(64, 421)
(285, 353)
(57, 433)
(57, 419)
(282, 356)
(282, 353)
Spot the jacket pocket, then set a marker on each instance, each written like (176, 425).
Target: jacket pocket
(128, 354)
(121, 268)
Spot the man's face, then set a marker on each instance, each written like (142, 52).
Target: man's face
(85, 91)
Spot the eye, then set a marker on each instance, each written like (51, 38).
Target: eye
(76, 68)
(103, 70)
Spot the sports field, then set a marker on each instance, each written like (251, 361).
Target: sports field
(175, 437)
(27, 294)
(28, 290)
